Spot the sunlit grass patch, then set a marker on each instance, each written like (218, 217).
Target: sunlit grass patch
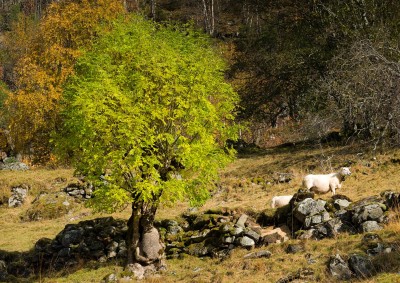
(246, 186)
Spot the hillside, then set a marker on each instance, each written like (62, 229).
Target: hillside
(246, 186)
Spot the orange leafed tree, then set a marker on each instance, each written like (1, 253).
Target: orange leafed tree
(41, 70)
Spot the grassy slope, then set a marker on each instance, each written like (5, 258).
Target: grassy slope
(247, 184)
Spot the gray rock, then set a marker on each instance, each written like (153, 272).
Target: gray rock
(283, 177)
(175, 229)
(370, 226)
(110, 278)
(72, 237)
(306, 209)
(226, 228)
(237, 231)
(339, 268)
(122, 249)
(199, 249)
(65, 252)
(310, 259)
(277, 235)
(336, 226)
(341, 203)
(3, 266)
(150, 246)
(18, 196)
(95, 245)
(309, 234)
(392, 199)
(252, 234)
(302, 275)
(112, 249)
(246, 242)
(372, 211)
(79, 190)
(300, 196)
(258, 254)
(10, 164)
(229, 240)
(42, 245)
(172, 226)
(361, 266)
(316, 219)
(137, 270)
(294, 248)
(242, 220)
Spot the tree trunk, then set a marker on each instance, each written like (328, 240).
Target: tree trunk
(153, 9)
(143, 239)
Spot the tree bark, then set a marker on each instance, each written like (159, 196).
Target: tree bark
(143, 240)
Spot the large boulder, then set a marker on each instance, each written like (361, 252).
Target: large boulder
(150, 246)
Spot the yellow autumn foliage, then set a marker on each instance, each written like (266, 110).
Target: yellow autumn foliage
(50, 50)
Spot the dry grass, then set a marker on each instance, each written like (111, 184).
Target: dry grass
(245, 185)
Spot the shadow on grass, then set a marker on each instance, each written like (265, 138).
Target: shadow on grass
(309, 156)
(88, 244)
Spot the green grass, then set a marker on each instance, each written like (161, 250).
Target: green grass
(245, 185)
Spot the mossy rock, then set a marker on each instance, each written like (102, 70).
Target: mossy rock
(259, 181)
(49, 206)
(205, 221)
(203, 248)
(225, 211)
(330, 207)
(266, 217)
(197, 249)
(226, 229)
(175, 237)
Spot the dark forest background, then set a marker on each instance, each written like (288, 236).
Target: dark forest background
(305, 70)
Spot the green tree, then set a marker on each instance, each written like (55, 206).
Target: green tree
(146, 116)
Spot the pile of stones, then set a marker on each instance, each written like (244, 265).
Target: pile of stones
(216, 233)
(310, 218)
(80, 190)
(101, 239)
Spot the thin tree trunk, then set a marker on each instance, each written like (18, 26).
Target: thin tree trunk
(212, 29)
(133, 237)
(131, 5)
(153, 9)
(206, 19)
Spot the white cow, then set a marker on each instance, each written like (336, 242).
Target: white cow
(279, 201)
(323, 183)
